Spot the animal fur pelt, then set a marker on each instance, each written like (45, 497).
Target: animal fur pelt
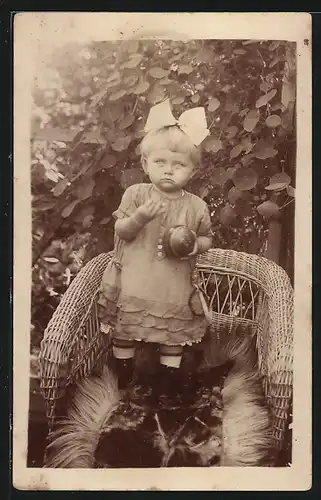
(73, 445)
(244, 437)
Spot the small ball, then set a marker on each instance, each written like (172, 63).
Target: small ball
(179, 241)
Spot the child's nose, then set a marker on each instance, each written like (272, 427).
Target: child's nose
(169, 168)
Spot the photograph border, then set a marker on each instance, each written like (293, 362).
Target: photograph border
(29, 30)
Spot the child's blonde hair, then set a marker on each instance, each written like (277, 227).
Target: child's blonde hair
(173, 139)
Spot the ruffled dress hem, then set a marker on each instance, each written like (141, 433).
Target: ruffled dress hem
(137, 319)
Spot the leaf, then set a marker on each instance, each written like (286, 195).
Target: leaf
(273, 121)
(275, 61)
(265, 86)
(117, 95)
(203, 192)
(264, 150)
(156, 95)
(246, 160)
(195, 98)
(227, 215)
(239, 51)
(45, 205)
(231, 131)
(230, 172)
(205, 55)
(251, 120)
(199, 86)
(165, 81)
(77, 138)
(212, 144)
(114, 76)
(278, 186)
(178, 100)
(278, 106)
(61, 186)
(248, 42)
(231, 106)
(130, 80)
(213, 104)
(280, 177)
(51, 260)
(158, 72)
(226, 88)
(185, 69)
(85, 190)
(87, 221)
(141, 88)
(84, 212)
(288, 94)
(236, 151)
(291, 191)
(219, 176)
(69, 209)
(274, 45)
(97, 98)
(126, 122)
(85, 92)
(247, 144)
(131, 176)
(278, 182)
(234, 194)
(243, 112)
(132, 62)
(245, 179)
(121, 143)
(133, 46)
(268, 209)
(108, 161)
(264, 99)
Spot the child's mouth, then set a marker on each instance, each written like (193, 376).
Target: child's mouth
(168, 180)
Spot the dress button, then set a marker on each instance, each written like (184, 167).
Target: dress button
(160, 254)
(160, 247)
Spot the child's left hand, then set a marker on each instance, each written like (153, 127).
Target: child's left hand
(193, 252)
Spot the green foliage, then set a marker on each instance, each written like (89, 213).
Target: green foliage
(99, 97)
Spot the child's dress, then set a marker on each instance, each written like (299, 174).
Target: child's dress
(144, 294)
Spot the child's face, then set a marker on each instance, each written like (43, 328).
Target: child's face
(168, 170)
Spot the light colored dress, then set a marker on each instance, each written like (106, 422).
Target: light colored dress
(144, 294)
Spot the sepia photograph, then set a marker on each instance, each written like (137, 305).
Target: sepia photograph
(164, 188)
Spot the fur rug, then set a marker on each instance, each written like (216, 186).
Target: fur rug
(231, 428)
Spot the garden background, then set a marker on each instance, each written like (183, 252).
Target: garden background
(90, 104)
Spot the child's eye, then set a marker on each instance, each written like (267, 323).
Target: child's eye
(158, 161)
(179, 164)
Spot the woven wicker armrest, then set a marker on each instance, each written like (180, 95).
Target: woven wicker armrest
(274, 320)
(63, 333)
(274, 315)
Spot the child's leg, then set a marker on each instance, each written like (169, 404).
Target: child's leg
(124, 352)
(171, 380)
(171, 355)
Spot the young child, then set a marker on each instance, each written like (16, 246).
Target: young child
(145, 295)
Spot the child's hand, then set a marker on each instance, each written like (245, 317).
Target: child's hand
(150, 209)
(193, 252)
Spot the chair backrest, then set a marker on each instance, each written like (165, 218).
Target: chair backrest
(243, 293)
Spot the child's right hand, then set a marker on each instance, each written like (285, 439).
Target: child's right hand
(150, 210)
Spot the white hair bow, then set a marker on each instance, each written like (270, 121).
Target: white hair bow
(192, 121)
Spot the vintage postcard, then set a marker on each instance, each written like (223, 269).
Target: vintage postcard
(162, 251)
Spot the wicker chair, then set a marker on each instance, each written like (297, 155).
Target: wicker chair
(241, 294)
